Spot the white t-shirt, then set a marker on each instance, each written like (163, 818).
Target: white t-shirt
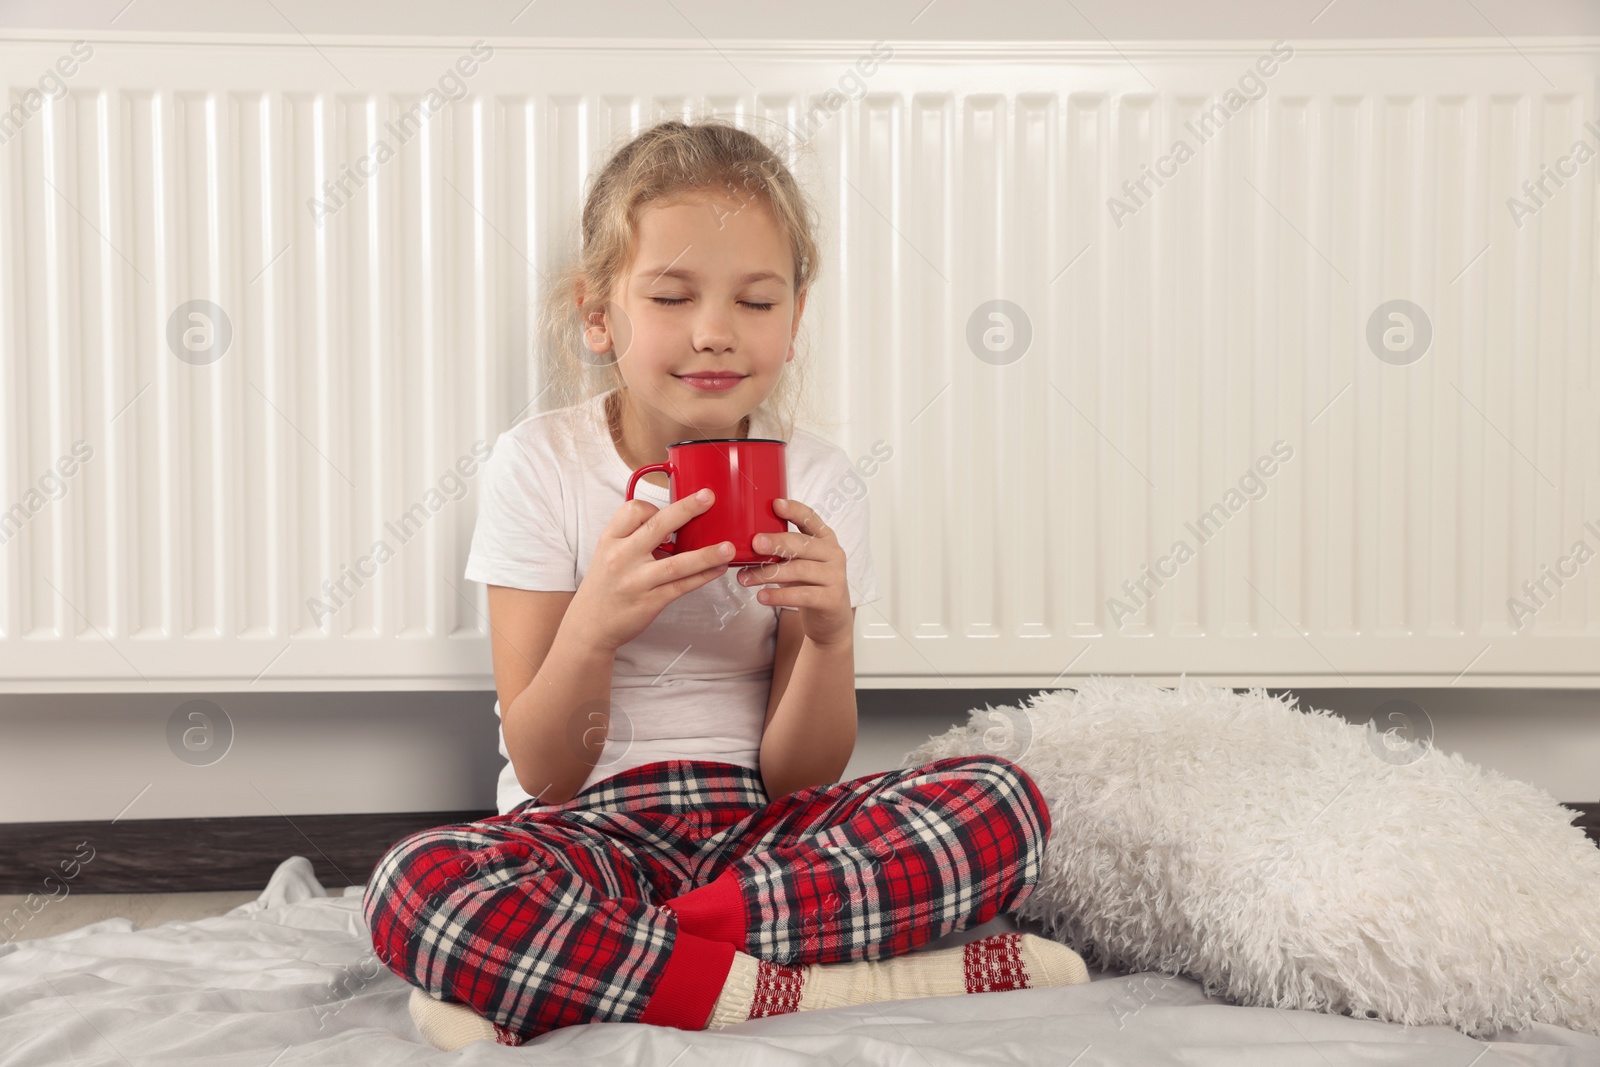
(694, 684)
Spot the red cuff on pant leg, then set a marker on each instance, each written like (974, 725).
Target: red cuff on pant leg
(690, 983)
(714, 910)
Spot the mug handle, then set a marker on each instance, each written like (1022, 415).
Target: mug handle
(665, 546)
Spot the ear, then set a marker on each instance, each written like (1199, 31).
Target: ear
(596, 332)
(794, 328)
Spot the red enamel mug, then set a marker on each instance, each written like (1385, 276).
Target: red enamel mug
(746, 473)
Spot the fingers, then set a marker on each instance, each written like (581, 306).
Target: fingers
(802, 516)
(683, 564)
(690, 582)
(795, 571)
(642, 521)
(795, 596)
(629, 517)
(815, 541)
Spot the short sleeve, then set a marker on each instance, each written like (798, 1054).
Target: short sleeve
(520, 539)
(840, 497)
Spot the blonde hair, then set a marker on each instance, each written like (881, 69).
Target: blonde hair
(668, 162)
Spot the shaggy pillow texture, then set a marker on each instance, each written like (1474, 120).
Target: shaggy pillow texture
(1292, 859)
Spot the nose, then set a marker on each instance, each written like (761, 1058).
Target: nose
(713, 328)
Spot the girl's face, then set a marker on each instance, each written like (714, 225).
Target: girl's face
(710, 288)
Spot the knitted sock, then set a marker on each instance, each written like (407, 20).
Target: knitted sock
(449, 1026)
(756, 988)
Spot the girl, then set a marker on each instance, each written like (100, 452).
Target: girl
(673, 845)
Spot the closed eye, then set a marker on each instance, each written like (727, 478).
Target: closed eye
(668, 301)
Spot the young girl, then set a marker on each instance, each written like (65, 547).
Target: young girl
(673, 845)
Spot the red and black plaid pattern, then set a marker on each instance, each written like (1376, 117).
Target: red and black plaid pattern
(884, 864)
(546, 916)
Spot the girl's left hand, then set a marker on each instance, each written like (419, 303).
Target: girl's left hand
(811, 578)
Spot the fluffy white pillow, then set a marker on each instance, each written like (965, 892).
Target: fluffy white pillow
(1289, 858)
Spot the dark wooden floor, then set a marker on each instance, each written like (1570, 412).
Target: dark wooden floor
(1588, 819)
(191, 855)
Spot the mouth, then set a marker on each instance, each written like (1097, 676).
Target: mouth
(711, 381)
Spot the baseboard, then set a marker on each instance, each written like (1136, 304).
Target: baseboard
(193, 855)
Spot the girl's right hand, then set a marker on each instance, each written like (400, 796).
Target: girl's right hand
(627, 585)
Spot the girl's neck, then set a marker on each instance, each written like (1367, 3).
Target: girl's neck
(619, 419)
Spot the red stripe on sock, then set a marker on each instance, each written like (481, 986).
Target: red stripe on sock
(714, 911)
(777, 990)
(690, 983)
(994, 964)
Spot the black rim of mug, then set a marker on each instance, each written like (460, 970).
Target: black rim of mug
(728, 440)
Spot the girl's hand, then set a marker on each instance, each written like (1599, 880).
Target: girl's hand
(811, 578)
(628, 584)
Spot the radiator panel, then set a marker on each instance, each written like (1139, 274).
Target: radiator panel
(382, 315)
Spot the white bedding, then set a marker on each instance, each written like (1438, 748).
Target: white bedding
(291, 979)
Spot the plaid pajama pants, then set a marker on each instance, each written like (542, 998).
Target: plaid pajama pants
(625, 904)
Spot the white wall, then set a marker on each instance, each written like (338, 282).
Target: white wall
(103, 757)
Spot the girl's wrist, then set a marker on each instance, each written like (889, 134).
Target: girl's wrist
(846, 642)
(575, 627)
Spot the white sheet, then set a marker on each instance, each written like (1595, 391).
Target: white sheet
(291, 978)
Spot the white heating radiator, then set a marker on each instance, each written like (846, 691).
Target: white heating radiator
(1191, 315)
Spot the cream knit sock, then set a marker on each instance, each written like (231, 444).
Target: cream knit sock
(755, 988)
(448, 1026)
